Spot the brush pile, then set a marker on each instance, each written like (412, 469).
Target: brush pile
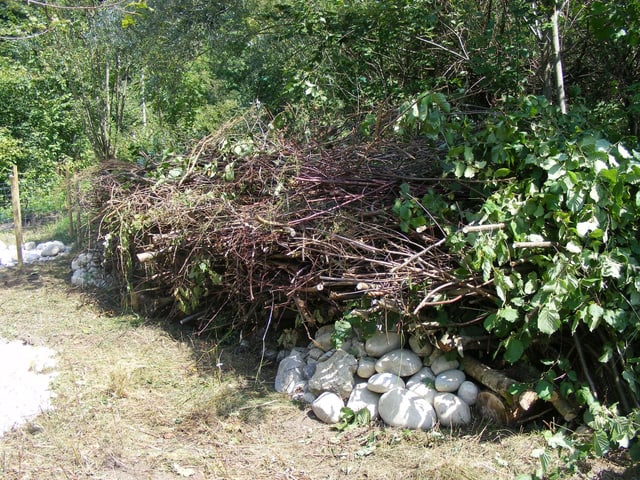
(279, 231)
(257, 234)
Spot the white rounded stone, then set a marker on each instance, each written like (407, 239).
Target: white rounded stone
(450, 380)
(420, 346)
(382, 342)
(403, 408)
(30, 256)
(327, 407)
(468, 392)
(451, 410)
(383, 382)
(423, 374)
(334, 374)
(290, 375)
(441, 364)
(50, 249)
(361, 397)
(366, 367)
(425, 391)
(79, 278)
(401, 362)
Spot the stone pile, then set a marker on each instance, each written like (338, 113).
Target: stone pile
(88, 271)
(411, 386)
(32, 252)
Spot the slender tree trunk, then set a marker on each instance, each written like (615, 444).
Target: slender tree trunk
(143, 103)
(106, 119)
(557, 53)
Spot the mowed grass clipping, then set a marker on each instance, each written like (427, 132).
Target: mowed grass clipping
(137, 399)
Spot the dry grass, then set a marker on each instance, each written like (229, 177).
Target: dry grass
(137, 400)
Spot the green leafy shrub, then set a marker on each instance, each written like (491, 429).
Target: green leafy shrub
(557, 206)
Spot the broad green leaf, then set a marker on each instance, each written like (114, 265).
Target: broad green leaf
(600, 442)
(557, 440)
(469, 172)
(556, 171)
(544, 389)
(575, 200)
(514, 350)
(509, 314)
(595, 313)
(610, 174)
(623, 152)
(583, 228)
(548, 320)
(607, 354)
(602, 145)
(573, 247)
(616, 318)
(501, 172)
(468, 154)
(610, 267)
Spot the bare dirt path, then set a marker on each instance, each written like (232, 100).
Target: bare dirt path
(138, 400)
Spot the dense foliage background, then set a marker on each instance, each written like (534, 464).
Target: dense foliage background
(96, 81)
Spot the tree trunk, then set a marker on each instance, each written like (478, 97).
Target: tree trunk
(557, 63)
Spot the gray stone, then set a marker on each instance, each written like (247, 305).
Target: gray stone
(30, 256)
(366, 367)
(468, 392)
(401, 362)
(425, 391)
(383, 382)
(450, 380)
(50, 249)
(420, 346)
(79, 278)
(354, 347)
(403, 408)
(315, 353)
(282, 354)
(270, 354)
(327, 407)
(308, 370)
(361, 397)
(441, 364)
(335, 375)
(308, 397)
(423, 374)
(451, 410)
(323, 341)
(290, 376)
(326, 356)
(382, 342)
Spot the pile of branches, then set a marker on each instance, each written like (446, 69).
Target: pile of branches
(279, 232)
(257, 233)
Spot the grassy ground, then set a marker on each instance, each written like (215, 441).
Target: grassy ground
(141, 400)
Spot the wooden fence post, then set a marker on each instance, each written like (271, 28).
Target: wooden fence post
(17, 214)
